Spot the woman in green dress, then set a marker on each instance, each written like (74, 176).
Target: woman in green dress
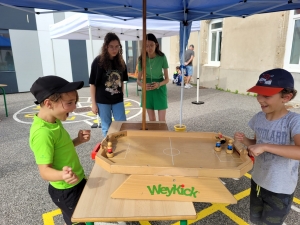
(156, 79)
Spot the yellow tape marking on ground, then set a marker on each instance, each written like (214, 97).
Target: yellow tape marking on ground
(127, 104)
(48, 217)
(221, 207)
(144, 222)
(30, 115)
(248, 175)
(296, 200)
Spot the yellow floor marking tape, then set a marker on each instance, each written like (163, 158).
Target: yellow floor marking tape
(48, 217)
(144, 222)
(296, 200)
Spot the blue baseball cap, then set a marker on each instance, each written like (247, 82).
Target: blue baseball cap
(272, 82)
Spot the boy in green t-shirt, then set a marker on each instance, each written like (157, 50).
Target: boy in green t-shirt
(51, 144)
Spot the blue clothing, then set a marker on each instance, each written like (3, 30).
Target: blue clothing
(273, 172)
(189, 71)
(107, 110)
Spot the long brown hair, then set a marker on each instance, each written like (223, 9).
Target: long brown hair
(151, 37)
(105, 61)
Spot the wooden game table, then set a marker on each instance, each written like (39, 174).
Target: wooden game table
(96, 205)
(157, 174)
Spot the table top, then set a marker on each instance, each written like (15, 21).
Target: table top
(171, 153)
(96, 205)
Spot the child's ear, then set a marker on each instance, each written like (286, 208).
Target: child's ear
(48, 103)
(287, 97)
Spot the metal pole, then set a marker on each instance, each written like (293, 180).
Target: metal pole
(144, 67)
(198, 73)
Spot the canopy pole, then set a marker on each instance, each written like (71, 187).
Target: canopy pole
(182, 74)
(144, 67)
(198, 72)
(53, 55)
(91, 40)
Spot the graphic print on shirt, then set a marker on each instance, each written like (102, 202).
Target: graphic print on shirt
(113, 82)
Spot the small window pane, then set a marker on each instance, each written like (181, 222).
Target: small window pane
(213, 46)
(295, 52)
(219, 46)
(296, 11)
(216, 25)
(6, 56)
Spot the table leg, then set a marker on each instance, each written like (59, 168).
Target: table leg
(183, 222)
(3, 91)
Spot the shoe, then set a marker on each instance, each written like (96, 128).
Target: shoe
(186, 86)
(190, 85)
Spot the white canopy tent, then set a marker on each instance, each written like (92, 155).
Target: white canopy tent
(83, 26)
(86, 26)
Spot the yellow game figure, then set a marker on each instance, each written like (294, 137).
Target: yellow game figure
(218, 146)
(109, 151)
(229, 149)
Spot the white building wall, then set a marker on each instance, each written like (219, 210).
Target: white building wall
(43, 21)
(62, 59)
(27, 57)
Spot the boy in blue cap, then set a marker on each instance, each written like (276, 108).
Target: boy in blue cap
(276, 148)
(53, 149)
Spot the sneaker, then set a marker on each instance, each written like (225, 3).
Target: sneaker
(190, 85)
(187, 86)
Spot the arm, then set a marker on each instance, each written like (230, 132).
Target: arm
(164, 82)
(93, 98)
(287, 151)
(83, 136)
(191, 59)
(238, 136)
(50, 174)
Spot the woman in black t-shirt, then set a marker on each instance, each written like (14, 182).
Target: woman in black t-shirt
(108, 73)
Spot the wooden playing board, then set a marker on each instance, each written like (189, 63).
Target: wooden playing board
(189, 154)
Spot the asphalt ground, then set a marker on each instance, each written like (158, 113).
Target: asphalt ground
(24, 198)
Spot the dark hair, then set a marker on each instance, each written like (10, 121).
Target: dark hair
(192, 46)
(56, 96)
(105, 60)
(177, 67)
(151, 37)
(289, 91)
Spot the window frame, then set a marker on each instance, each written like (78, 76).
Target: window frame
(211, 31)
(288, 45)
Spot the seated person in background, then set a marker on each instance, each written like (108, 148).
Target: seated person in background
(177, 78)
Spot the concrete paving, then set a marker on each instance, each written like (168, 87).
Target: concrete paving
(24, 197)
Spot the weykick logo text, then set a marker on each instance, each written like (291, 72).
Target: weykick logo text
(180, 190)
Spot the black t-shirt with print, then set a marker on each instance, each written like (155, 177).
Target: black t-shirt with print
(108, 83)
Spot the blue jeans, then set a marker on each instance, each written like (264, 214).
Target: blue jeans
(189, 70)
(106, 111)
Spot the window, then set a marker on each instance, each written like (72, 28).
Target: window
(6, 56)
(292, 53)
(215, 41)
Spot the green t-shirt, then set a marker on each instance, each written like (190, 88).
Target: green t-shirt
(154, 67)
(51, 144)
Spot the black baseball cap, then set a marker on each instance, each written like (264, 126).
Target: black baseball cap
(272, 82)
(45, 86)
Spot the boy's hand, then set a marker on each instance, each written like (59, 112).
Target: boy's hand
(238, 136)
(68, 175)
(84, 135)
(256, 150)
